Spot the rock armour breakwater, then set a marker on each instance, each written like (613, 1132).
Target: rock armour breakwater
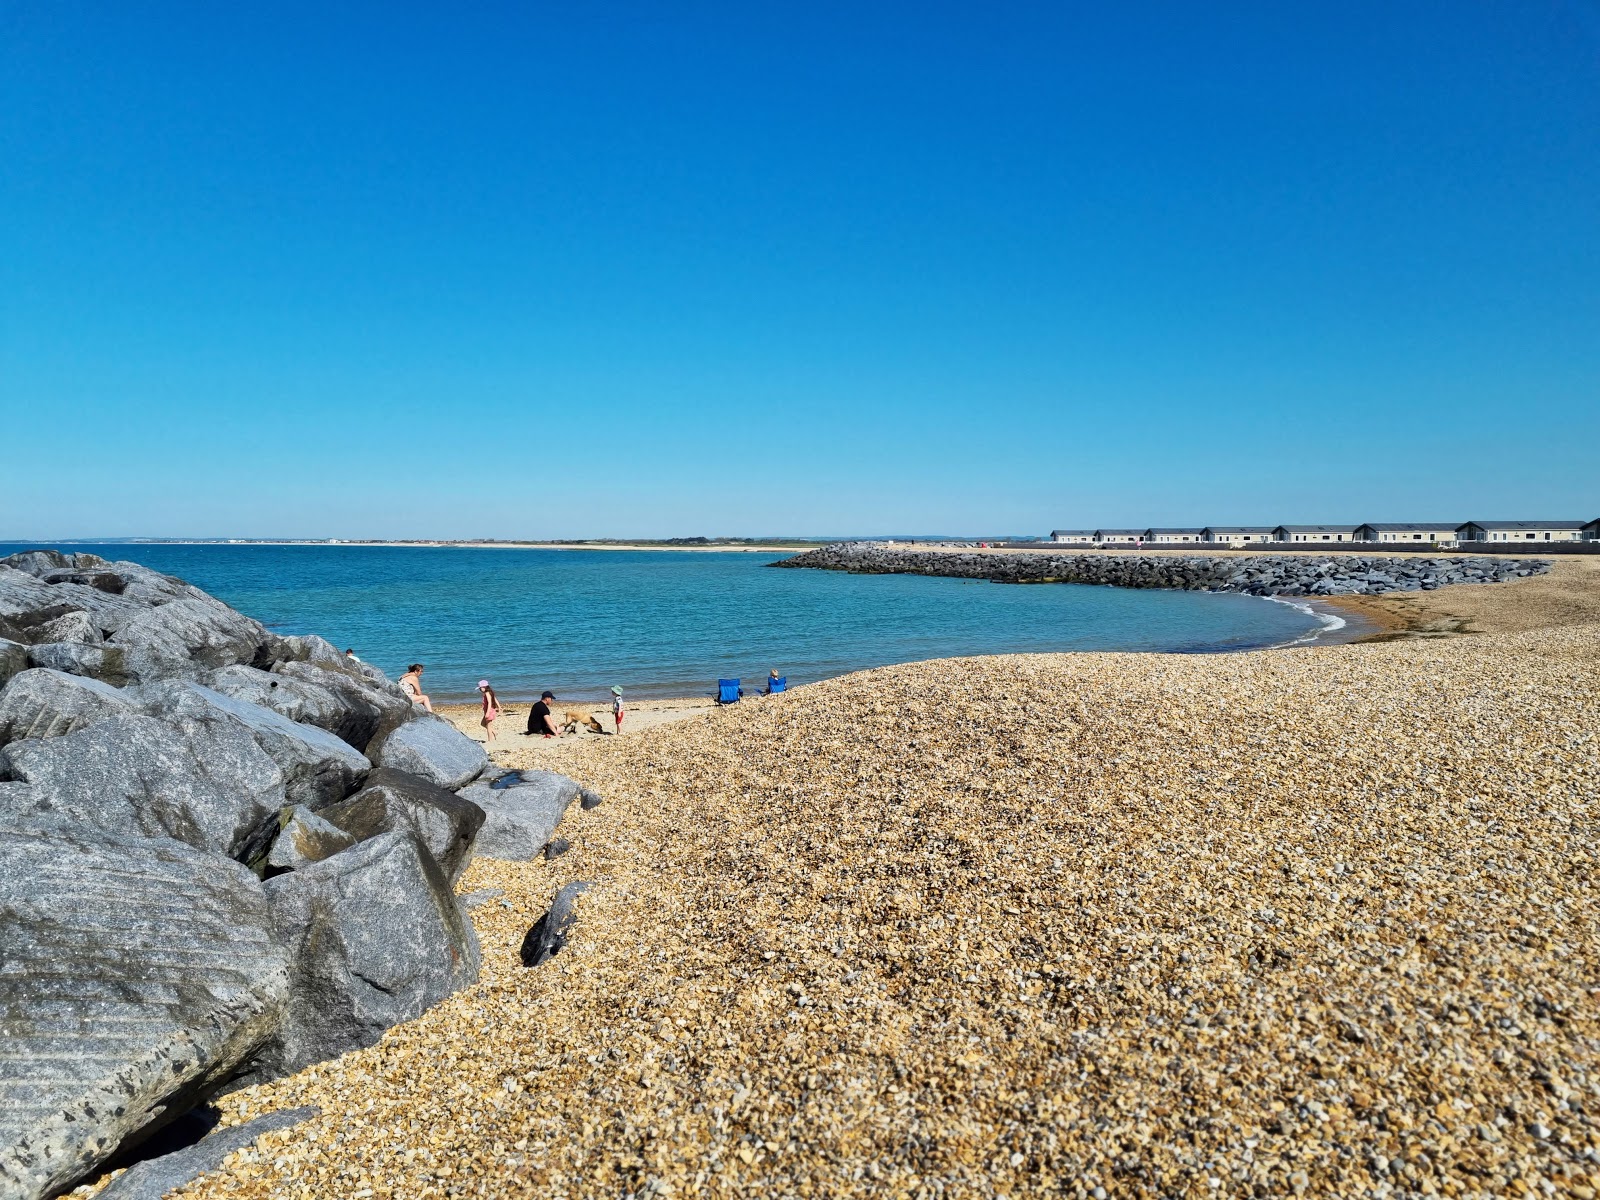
(1255, 575)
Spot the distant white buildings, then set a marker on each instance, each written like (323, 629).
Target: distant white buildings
(1315, 533)
(1167, 537)
(1239, 535)
(1416, 533)
(1408, 531)
(1526, 531)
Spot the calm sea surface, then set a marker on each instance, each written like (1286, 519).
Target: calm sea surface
(666, 623)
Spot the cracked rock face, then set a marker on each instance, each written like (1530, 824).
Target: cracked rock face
(138, 973)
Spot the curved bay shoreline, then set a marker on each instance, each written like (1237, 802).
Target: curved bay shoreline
(1140, 924)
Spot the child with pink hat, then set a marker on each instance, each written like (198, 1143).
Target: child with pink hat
(491, 710)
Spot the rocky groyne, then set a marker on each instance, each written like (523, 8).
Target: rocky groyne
(1255, 575)
(224, 855)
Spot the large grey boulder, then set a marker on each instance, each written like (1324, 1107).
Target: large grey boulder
(13, 660)
(155, 1177)
(25, 604)
(375, 938)
(137, 974)
(41, 703)
(298, 700)
(318, 768)
(105, 663)
(522, 810)
(210, 786)
(392, 800)
(186, 639)
(69, 627)
(37, 562)
(305, 838)
(306, 648)
(431, 747)
(344, 702)
(370, 702)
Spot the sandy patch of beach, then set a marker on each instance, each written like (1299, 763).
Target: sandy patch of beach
(1320, 921)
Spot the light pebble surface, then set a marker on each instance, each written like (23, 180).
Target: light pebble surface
(1314, 921)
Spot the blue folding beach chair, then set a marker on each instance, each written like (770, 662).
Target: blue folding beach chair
(776, 685)
(728, 691)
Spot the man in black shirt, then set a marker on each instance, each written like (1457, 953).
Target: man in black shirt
(540, 720)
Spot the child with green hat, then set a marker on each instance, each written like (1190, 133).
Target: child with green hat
(617, 711)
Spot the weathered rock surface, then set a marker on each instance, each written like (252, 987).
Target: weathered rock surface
(209, 786)
(185, 639)
(105, 663)
(306, 838)
(444, 822)
(25, 604)
(69, 627)
(368, 702)
(522, 810)
(548, 936)
(13, 660)
(375, 938)
(431, 747)
(137, 974)
(1257, 575)
(347, 705)
(41, 703)
(154, 1178)
(318, 768)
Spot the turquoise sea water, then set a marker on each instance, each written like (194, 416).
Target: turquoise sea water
(666, 623)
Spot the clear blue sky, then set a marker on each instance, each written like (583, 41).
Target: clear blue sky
(605, 270)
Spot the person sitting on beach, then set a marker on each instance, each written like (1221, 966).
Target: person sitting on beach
(540, 720)
(772, 677)
(411, 685)
(491, 710)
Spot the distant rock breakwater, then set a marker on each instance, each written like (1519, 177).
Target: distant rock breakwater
(1254, 575)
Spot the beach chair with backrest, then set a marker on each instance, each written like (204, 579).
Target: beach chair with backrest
(728, 691)
(774, 686)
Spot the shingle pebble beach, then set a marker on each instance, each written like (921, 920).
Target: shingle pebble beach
(1318, 921)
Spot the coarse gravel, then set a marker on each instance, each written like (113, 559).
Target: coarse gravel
(1316, 921)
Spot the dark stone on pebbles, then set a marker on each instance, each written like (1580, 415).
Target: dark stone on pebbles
(548, 936)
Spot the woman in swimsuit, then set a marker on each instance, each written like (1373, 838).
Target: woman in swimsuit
(411, 685)
(491, 710)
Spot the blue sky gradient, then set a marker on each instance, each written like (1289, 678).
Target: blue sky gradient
(641, 270)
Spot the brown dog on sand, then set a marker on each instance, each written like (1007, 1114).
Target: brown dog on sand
(570, 721)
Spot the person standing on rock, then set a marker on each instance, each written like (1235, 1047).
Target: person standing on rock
(491, 710)
(540, 720)
(411, 685)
